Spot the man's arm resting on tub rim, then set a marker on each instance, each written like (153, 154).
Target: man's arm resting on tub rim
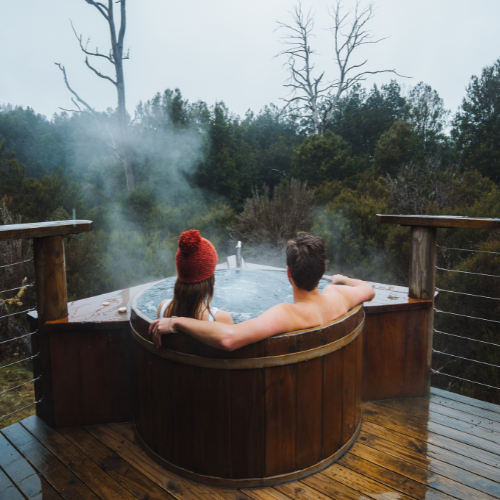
(354, 291)
(224, 336)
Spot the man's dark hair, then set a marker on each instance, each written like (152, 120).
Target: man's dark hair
(306, 259)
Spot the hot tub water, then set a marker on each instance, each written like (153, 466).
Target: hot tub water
(244, 293)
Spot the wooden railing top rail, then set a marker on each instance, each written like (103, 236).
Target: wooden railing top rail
(438, 221)
(43, 229)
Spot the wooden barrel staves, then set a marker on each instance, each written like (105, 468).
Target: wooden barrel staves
(266, 414)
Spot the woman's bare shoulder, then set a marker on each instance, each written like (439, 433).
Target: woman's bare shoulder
(224, 317)
(162, 303)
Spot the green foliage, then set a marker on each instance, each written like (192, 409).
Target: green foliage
(354, 242)
(477, 124)
(394, 148)
(362, 117)
(323, 158)
(273, 220)
(228, 164)
(36, 199)
(18, 398)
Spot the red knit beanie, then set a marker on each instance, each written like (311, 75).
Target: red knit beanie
(196, 258)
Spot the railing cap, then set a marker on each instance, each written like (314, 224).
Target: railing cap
(438, 221)
(43, 229)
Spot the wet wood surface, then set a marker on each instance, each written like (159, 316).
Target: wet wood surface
(44, 229)
(438, 221)
(402, 453)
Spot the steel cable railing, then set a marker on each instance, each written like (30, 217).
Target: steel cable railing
(20, 338)
(466, 317)
(17, 263)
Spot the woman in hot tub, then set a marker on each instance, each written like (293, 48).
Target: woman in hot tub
(195, 260)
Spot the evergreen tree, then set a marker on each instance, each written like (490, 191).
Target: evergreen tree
(477, 124)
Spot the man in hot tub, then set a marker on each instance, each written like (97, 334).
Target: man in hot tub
(306, 264)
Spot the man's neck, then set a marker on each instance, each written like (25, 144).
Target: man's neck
(300, 295)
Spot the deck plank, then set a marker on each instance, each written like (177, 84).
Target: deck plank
(329, 487)
(392, 479)
(481, 483)
(77, 462)
(446, 411)
(363, 484)
(267, 494)
(422, 440)
(419, 474)
(466, 400)
(301, 491)
(433, 457)
(407, 449)
(8, 489)
(408, 425)
(465, 408)
(177, 486)
(425, 414)
(57, 475)
(131, 479)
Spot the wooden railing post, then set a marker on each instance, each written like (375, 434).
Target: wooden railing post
(51, 294)
(423, 259)
(52, 304)
(422, 281)
(50, 275)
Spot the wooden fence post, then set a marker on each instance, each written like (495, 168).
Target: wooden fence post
(422, 281)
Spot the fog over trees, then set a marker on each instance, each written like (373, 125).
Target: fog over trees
(326, 159)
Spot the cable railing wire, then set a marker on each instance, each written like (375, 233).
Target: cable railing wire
(20, 361)
(16, 263)
(19, 312)
(23, 408)
(437, 372)
(20, 385)
(18, 288)
(466, 250)
(466, 272)
(465, 359)
(469, 294)
(466, 338)
(18, 338)
(465, 315)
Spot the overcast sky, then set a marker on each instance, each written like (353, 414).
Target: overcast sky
(224, 49)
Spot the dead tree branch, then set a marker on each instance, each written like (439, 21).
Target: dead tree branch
(116, 57)
(314, 98)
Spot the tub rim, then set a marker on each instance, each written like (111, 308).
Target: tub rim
(261, 362)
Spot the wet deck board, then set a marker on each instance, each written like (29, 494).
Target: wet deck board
(437, 448)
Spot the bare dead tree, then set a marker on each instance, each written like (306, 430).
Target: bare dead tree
(312, 96)
(116, 56)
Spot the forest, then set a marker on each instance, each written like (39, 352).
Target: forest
(260, 178)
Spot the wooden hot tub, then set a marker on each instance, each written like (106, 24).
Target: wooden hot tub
(268, 413)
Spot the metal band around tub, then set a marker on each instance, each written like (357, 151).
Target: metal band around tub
(253, 482)
(248, 363)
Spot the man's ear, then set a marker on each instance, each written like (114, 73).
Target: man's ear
(289, 274)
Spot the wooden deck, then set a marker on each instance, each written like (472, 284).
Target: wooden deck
(442, 447)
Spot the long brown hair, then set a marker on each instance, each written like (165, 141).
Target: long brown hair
(191, 299)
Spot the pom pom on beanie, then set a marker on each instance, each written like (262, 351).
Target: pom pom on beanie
(196, 258)
(190, 242)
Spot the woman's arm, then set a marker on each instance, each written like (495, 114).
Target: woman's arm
(225, 336)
